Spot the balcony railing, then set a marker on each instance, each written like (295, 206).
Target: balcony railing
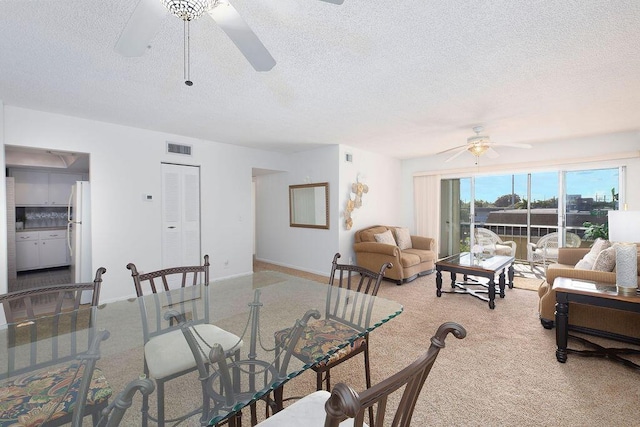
(517, 233)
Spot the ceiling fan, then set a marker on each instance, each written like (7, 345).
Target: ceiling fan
(148, 15)
(480, 144)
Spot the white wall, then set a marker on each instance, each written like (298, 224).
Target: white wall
(313, 249)
(308, 249)
(125, 164)
(381, 205)
(591, 152)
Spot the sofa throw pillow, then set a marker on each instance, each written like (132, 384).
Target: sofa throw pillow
(606, 260)
(403, 238)
(385, 237)
(586, 263)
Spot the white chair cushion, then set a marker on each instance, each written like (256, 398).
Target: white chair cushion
(169, 353)
(502, 250)
(306, 412)
(549, 253)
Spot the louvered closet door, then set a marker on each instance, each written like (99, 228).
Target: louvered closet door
(180, 215)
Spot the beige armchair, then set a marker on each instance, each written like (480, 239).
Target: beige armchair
(546, 249)
(493, 243)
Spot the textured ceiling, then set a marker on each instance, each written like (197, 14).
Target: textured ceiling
(405, 79)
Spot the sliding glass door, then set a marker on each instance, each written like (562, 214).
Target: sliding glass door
(455, 214)
(589, 196)
(526, 207)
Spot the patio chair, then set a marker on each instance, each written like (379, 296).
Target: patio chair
(546, 249)
(492, 242)
(53, 348)
(167, 354)
(330, 409)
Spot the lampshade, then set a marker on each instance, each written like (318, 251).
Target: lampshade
(624, 226)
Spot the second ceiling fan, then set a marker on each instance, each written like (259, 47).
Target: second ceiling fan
(148, 15)
(479, 145)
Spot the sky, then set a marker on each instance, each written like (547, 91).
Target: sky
(596, 183)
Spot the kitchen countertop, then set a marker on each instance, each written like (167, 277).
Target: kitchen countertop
(41, 229)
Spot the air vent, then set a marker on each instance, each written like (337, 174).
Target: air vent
(174, 148)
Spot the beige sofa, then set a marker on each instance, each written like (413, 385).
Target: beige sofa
(407, 264)
(582, 316)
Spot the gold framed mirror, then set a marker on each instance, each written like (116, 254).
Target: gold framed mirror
(309, 205)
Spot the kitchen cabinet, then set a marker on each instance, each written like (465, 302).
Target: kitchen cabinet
(41, 249)
(60, 187)
(37, 188)
(53, 248)
(31, 187)
(27, 251)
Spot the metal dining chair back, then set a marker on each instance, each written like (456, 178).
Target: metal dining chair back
(167, 299)
(350, 300)
(342, 403)
(349, 304)
(52, 341)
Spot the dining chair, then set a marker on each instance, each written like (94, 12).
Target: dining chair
(348, 309)
(330, 409)
(50, 377)
(112, 415)
(167, 354)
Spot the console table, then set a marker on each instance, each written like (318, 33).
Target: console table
(596, 294)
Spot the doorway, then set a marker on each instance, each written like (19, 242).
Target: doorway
(39, 182)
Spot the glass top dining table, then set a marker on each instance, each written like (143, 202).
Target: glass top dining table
(253, 307)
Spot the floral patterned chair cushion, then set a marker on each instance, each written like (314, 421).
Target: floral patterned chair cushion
(31, 399)
(318, 338)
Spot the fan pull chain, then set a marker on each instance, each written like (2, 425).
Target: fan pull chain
(187, 58)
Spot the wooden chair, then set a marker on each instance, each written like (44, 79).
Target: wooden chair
(345, 315)
(53, 342)
(161, 325)
(330, 409)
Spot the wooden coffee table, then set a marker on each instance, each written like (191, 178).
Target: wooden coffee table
(596, 294)
(472, 265)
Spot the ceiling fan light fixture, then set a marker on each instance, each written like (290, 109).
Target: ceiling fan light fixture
(189, 10)
(478, 149)
(478, 144)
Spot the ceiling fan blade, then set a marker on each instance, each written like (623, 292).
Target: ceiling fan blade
(452, 149)
(461, 150)
(491, 153)
(242, 36)
(143, 24)
(511, 144)
(333, 1)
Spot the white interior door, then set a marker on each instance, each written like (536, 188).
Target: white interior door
(180, 215)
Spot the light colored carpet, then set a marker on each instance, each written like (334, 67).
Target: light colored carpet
(503, 374)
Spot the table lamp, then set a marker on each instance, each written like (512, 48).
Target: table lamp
(624, 231)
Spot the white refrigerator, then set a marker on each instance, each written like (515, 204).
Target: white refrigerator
(79, 233)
